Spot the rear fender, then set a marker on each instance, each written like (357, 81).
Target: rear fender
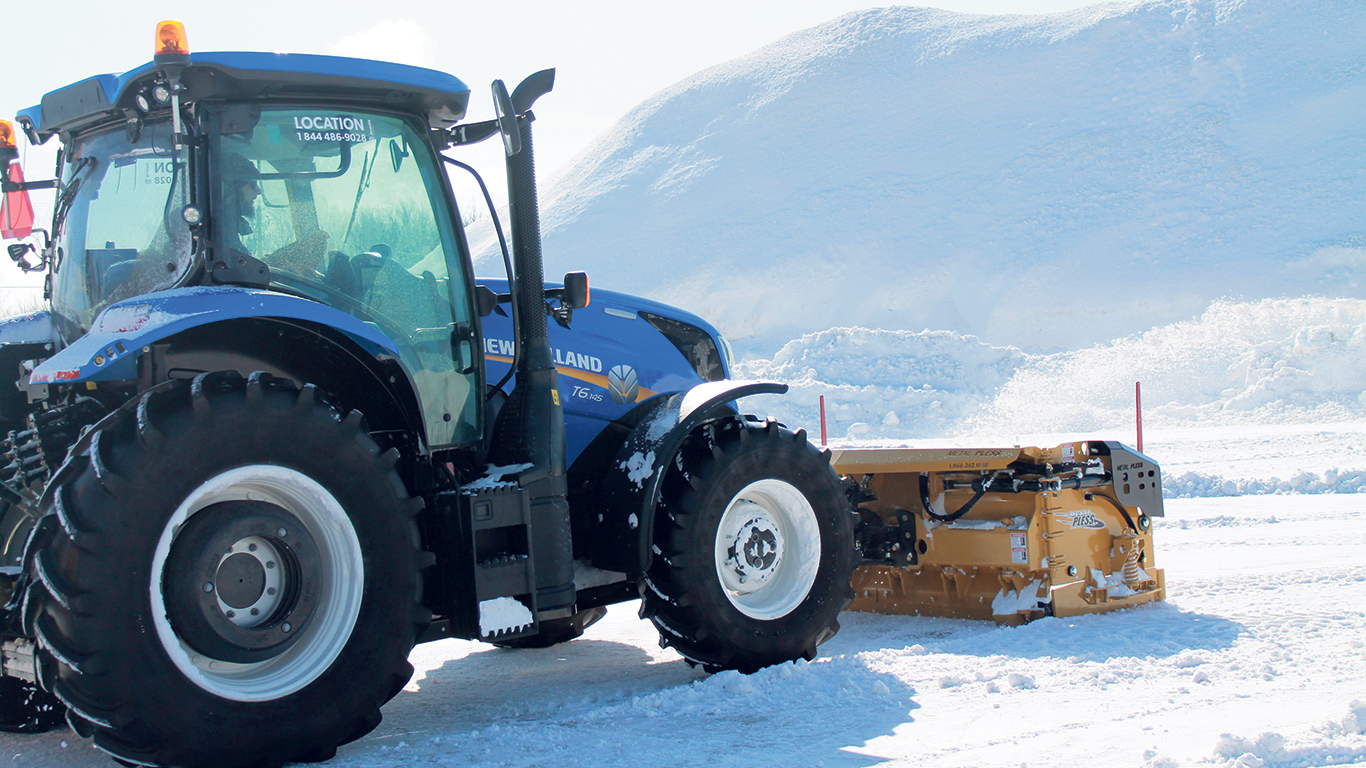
(631, 487)
(109, 352)
(32, 328)
(28, 337)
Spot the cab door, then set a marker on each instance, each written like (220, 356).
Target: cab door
(349, 207)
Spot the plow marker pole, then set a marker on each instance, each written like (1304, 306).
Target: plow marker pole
(822, 421)
(1138, 413)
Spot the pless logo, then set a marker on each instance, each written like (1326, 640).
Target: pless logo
(1083, 519)
(622, 384)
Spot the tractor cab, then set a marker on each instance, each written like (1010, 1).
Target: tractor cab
(293, 173)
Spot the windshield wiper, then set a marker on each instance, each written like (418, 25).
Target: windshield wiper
(365, 171)
(85, 165)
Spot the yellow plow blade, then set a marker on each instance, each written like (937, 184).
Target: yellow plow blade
(1010, 534)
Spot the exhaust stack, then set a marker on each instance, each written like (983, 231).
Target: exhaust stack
(530, 428)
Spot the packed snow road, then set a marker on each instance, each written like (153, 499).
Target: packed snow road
(1256, 659)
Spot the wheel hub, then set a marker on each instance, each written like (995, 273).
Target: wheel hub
(241, 581)
(249, 581)
(756, 547)
(237, 581)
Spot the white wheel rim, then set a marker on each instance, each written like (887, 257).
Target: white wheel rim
(768, 549)
(341, 586)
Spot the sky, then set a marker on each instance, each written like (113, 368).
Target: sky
(610, 54)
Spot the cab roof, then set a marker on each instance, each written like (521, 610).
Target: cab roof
(243, 75)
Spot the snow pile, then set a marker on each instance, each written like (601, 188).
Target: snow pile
(745, 718)
(1355, 721)
(1042, 182)
(1331, 743)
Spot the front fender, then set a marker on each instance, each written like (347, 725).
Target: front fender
(631, 488)
(109, 351)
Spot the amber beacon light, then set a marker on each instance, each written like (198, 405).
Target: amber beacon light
(7, 135)
(171, 39)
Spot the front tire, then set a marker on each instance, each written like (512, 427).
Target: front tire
(25, 708)
(754, 549)
(234, 580)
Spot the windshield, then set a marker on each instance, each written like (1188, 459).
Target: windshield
(119, 225)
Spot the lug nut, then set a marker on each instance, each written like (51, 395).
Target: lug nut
(208, 586)
(270, 563)
(282, 533)
(286, 627)
(255, 611)
(270, 591)
(251, 547)
(232, 614)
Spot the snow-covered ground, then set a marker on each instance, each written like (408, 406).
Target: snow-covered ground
(1258, 658)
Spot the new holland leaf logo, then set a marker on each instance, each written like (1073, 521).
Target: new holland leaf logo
(622, 384)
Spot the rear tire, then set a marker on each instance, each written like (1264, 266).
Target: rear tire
(234, 581)
(754, 549)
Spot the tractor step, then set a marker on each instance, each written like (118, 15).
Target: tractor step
(492, 561)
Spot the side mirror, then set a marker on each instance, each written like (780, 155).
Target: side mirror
(19, 253)
(397, 153)
(507, 119)
(575, 293)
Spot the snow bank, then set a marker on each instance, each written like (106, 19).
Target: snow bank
(1274, 364)
(1270, 361)
(881, 383)
(1266, 362)
(1196, 484)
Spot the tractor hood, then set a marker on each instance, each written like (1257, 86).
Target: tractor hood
(617, 353)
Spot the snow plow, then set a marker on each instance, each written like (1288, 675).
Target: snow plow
(1010, 534)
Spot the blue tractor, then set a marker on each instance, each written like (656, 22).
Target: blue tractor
(271, 431)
